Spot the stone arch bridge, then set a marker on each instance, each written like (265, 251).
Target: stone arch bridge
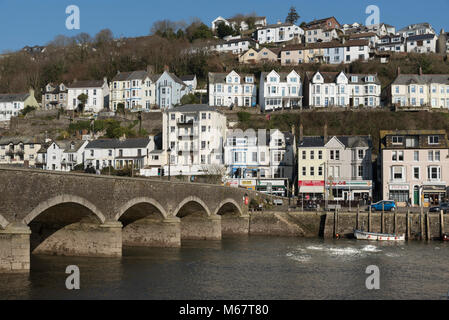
(94, 215)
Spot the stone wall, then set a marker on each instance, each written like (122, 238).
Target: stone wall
(153, 233)
(15, 249)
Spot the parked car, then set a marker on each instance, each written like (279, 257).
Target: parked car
(388, 205)
(443, 206)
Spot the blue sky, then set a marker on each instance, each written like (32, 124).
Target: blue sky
(32, 22)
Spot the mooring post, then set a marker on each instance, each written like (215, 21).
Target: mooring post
(408, 224)
(336, 221)
(421, 225)
(369, 219)
(394, 229)
(441, 224)
(428, 226)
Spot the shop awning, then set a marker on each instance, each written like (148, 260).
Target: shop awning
(436, 189)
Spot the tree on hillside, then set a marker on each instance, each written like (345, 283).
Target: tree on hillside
(104, 36)
(224, 30)
(292, 16)
(198, 30)
(82, 98)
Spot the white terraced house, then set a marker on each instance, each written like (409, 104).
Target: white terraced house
(12, 104)
(324, 89)
(280, 90)
(280, 32)
(232, 89)
(420, 90)
(97, 92)
(193, 137)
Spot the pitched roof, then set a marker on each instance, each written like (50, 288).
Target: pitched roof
(421, 37)
(347, 141)
(220, 77)
(188, 77)
(282, 75)
(329, 44)
(192, 108)
(406, 79)
(87, 84)
(118, 144)
(18, 139)
(11, 97)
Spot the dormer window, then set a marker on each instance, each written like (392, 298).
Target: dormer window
(397, 140)
(229, 80)
(318, 77)
(433, 140)
(354, 79)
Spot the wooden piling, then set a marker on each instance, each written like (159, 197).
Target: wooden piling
(421, 225)
(441, 223)
(369, 219)
(394, 228)
(408, 224)
(428, 231)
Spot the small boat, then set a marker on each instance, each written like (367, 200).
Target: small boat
(445, 236)
(363, 235)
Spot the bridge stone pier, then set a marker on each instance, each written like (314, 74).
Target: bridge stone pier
(44, 212)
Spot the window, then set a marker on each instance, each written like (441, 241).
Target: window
(312, 155)
(437, 155)
(430, 155)
(312, 171)
(320, 155)
(397, 140)
(360, 154)
(360, 171)
(434, 173)
(397, 173)
(416, 155)
(337, 154)
(433, 140)
(304, 171)
(304, 155)
(254, 157)
(416, 173)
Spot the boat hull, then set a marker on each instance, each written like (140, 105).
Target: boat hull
(373, 236)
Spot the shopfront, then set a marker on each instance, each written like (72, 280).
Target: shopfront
(400, 193)
(350, 190)
(433, 195)
(311, 189)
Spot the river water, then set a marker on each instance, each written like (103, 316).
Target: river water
(245, 268)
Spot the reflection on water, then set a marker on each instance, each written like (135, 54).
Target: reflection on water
(244, 268)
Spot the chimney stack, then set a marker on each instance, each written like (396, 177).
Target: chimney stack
(420, 70)
(325, 133)
(167, 68)
(399, 71)
(301, 132)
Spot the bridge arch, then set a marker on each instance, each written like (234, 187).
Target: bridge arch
(137, 201)
(193, 200)
(63, 199)
(228, 205)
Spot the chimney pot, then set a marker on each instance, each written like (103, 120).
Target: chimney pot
(301, 133)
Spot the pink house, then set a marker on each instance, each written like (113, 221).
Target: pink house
(414, 166)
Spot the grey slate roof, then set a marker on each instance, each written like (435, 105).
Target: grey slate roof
(348, 141)
(192, 108)
(406, 79)
(188, 77)
(118, 144)
(421, 37)
(282, 75)
(19, 139)
(86, 84)
(220, 77)
(11, 97)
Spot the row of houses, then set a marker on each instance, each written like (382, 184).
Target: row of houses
(313, 35)
(281, 90)
(136, 90)
(285, 90)
(412, 166)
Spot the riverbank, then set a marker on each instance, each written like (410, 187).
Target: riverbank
(416, 226)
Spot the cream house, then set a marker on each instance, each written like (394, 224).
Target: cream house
(420, 90)
(19, 150)
(279, 90)
(232, 89)
(259, 56)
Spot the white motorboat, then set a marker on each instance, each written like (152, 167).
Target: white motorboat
(363, 235)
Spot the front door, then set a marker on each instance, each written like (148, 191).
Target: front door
(416, 196)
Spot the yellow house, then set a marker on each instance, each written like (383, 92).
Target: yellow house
(258, 56)
(421, 90)
(302, 53)
(312, 157)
